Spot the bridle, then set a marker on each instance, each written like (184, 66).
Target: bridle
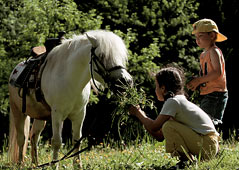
(101, 69)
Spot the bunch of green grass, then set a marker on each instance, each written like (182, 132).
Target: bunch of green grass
(133, 96)
(127, 124)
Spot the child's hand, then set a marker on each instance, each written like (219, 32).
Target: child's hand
(193, 84)
(134, 110)
(160, 137)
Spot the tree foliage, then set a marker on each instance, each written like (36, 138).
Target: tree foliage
(169, 21)
(28, 23)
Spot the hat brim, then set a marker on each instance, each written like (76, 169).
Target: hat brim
(220, 37)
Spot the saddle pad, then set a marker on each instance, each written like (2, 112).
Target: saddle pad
(17, 72)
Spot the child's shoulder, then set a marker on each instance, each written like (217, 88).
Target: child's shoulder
(215, 48)
(215, 52)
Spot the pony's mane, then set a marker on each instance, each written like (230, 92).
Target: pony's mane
(110, 47)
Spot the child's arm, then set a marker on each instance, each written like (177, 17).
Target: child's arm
(158, 135)
(152, 126)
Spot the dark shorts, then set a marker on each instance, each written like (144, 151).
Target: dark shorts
(214, 105)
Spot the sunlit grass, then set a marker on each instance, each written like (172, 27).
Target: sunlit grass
(147, 155)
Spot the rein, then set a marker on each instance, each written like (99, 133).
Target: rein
(101, 69)
(91, 142)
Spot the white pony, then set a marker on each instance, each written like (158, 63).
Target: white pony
(65, 83)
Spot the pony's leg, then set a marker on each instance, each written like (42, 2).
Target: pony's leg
(22, 133)
(18, 135)
(37, 128)
(57, 125)
(76, 128)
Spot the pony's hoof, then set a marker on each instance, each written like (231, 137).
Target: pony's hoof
(77, 164)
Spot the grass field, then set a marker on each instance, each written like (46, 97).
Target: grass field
(147, 155)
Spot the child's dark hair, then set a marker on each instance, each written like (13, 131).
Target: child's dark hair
(173, 80)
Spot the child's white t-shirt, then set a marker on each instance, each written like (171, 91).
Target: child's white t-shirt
(188, 114)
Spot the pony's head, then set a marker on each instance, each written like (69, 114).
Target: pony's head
(108, 59)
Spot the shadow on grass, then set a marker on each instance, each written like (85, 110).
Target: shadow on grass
(3, 167)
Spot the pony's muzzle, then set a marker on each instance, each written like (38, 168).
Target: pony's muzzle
(121, 85)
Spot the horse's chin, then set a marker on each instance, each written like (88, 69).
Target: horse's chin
(118, 90)
(120, 86)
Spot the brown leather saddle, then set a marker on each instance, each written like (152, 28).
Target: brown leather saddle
(30, 77)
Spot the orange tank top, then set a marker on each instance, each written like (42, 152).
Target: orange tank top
(219, 84)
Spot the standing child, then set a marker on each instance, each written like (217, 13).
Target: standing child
(187, 129)
(212, 80)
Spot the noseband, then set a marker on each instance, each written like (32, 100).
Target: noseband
(101, 69)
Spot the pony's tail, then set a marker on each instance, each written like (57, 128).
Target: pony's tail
(13, 151)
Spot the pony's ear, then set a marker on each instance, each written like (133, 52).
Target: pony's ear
(92, 39)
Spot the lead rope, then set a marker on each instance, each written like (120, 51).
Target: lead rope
(91, 142)
(69, 155)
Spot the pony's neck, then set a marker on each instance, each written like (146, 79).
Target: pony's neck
(79, 62)
(73, 59)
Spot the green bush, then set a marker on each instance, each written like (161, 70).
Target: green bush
(28, 23)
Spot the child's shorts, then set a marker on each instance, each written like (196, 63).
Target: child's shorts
(181, 140)
(214, 105)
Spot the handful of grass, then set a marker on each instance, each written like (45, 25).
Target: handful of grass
(133, 96)
(127, 125)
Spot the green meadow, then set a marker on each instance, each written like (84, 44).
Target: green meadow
(145, 155)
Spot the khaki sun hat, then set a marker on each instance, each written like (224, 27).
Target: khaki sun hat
(208, 25)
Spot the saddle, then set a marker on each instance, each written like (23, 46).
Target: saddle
(28, 73)
(37, 51)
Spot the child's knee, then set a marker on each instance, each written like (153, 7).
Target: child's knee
(168, 126)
